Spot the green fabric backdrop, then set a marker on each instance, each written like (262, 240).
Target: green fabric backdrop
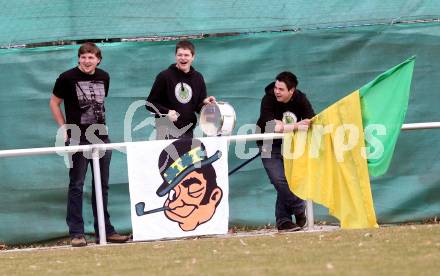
(30, 21)
(329, 64)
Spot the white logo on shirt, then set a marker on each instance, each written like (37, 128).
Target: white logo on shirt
(183, 92)
(289, 118)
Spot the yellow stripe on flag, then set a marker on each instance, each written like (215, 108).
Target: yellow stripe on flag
(333, 170)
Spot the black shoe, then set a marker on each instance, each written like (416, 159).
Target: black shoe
(301, 219)
(288, 226)
(78, 241)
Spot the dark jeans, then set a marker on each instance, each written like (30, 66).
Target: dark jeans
(287, 203)
(77, 175)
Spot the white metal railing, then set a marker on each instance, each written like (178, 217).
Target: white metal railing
(96, 148)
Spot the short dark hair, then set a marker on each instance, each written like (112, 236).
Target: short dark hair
(185, 44)
(90, 47)
(210, 176)
(288, 78)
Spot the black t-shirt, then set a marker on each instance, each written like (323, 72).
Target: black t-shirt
(83, 96)
(183, 92)
(297, 109)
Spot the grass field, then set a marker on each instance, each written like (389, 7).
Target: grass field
(396, 250)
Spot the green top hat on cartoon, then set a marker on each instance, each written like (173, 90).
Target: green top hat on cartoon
(179, 159)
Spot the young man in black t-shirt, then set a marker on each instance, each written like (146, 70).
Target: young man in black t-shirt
(83, 90)
(283, 109)
(177, 93)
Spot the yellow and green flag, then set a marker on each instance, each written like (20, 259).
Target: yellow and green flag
(328, 163)
(384, 102)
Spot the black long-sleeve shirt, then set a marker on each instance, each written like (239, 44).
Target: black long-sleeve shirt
(297, 109)
(176, 90)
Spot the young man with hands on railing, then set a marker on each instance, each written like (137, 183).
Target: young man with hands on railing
(283, 109)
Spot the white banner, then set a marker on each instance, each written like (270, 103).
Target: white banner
(178, 188)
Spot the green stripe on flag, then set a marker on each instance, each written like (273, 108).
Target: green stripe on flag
(384, 102)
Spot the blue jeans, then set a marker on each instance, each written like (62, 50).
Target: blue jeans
(287, 203)
(77, 175)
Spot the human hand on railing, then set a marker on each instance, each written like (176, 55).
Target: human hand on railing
(279, 126)
(303, 125)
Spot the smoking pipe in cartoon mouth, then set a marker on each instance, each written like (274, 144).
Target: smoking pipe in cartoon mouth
(140, 209)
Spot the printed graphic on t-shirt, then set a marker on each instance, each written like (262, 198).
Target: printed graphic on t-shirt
(289, 118)
(91, 101)
(183, 92)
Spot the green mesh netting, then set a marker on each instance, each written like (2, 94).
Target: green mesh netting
(31, 21)
(329, 64)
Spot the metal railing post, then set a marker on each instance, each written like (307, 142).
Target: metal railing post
(98, 196)
(310, 215)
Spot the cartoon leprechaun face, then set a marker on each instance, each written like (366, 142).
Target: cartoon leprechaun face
(194, 200)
